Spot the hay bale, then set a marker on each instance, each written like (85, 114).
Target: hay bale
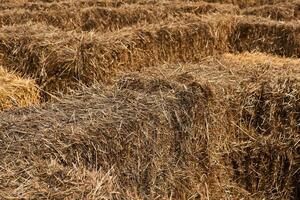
(102, 18)
(265, 148)
(56, 5)
(149, 133)
(248, 3)
(67, 19)
(254, 126)
(215, 126)
(263, 35)
(283, 11)
(16, 92)
(109, 19)
(58, 59)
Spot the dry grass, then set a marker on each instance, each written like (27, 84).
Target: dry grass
(116, 18)
(59, 59)
(16, 92)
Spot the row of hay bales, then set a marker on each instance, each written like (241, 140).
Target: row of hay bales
(54, 5)
(16, 91)
(102, 18)
(213, 130)
(247, 3)
(59, 59)
(280, 11)
(99, 18)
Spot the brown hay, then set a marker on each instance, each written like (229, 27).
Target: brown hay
(174, 132)
(58, 59)
(255, 125)
(149, 133)
(109, 18)
(116, 18)
(57, 5)
(283, 11)
(247, 3)
(67, 19)
(263, 35)
(16, 92)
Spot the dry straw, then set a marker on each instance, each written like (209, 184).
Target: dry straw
(148, 134)
(247, 3)
(282, 11)
(60, 59)
(264, 35)
(210, 130)
(102, 18)
(254, 123)
(16, 92)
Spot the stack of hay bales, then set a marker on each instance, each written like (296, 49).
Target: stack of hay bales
(148, 134)
(16, 91)
(210, 130)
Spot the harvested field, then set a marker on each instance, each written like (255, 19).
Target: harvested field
(148, 99)
(16, 92)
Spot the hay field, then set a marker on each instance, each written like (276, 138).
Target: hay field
(150, 99)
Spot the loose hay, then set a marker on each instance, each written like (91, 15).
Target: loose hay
(16, 92)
